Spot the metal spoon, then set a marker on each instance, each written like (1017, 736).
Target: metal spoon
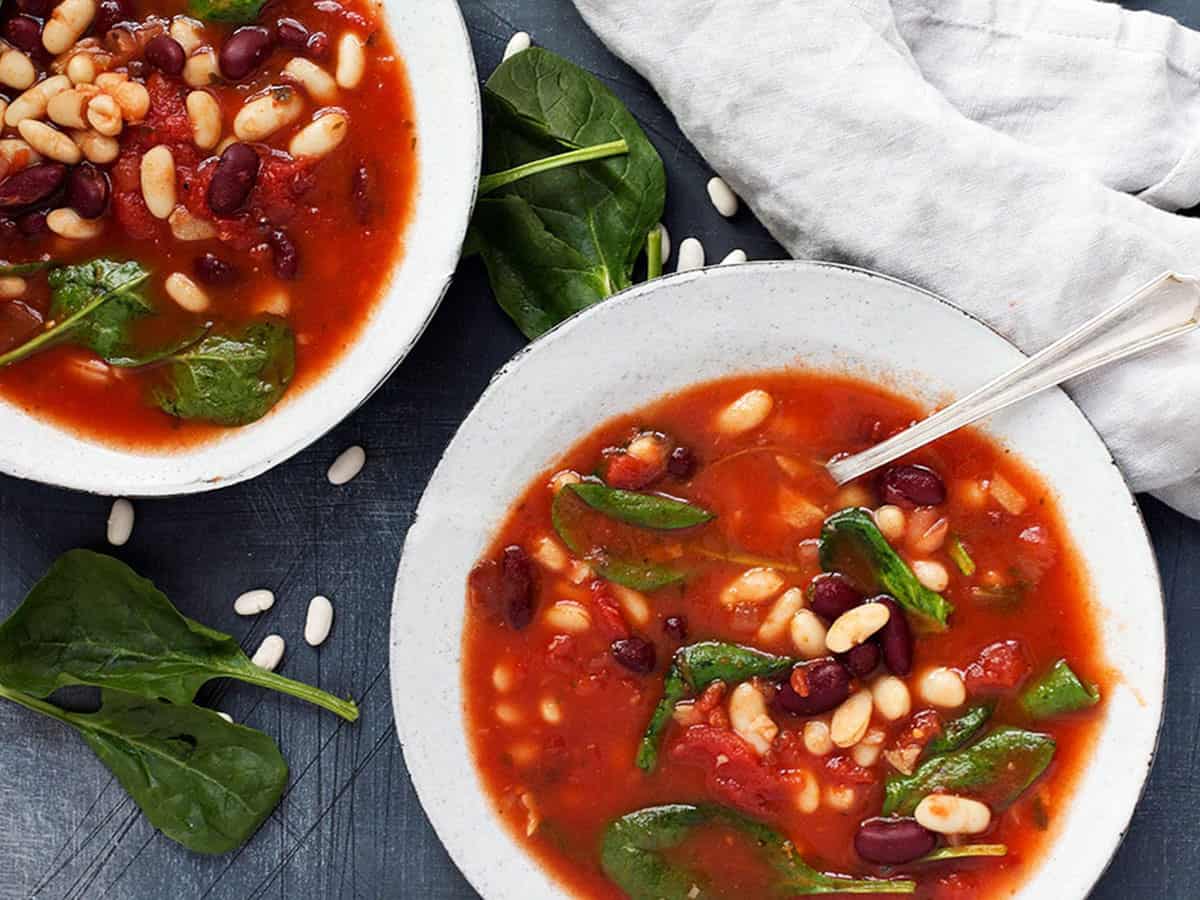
(1163, 309)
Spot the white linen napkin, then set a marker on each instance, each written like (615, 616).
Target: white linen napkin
(979, 148)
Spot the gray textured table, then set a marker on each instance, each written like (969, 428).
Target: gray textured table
(349, 824)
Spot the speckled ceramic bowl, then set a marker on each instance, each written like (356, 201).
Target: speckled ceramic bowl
(432, 39)
(702, 325)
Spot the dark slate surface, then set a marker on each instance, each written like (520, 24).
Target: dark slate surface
(349, 824)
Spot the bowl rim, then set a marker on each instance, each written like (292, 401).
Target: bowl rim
(38, 450)
(473, 870)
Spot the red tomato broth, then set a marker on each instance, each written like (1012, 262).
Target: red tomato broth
(347, 251)
(580, 773)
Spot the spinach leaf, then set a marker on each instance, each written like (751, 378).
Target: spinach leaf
(853, 531)
(233, 378)
(996, 770)
(695, 667)
(94, 304)
(961, 556)
(1058, 691)
(631, 855)
(561, 240)
(643, 510)
(964, 851)
(203, 782)
(641, 576)
(490, 183)
(237, 12)
(959, 732)
(93, 620)
(25, 268)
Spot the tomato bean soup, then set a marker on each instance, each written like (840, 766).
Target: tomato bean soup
(200, 201)
(695, 667)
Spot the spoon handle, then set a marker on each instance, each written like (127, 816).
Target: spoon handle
(1163, 309)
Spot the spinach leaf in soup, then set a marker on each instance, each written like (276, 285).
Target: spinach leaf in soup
(561, 240)
(203, 782)
(1059, 690)
(230, 378)
(236, 12)
(22, 269)
(93, 620)
(93, 304)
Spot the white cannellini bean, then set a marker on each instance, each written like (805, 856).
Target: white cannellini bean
(351, 61)
(551, 711)
(890, 520)
(560, 480)
(808, 634)
(841, 797)
(158, 181)
(32, 104)
(320, 137)
(253, 602)
(104, 115)
(317, 83)
(932, 574)
(508, 714)
(12, 286)
(733, 258)
(817, 739)
(318, 621)
(745, 413)
(67, 223)
(854, 626)
(81, 68)
(347, 466)
(67, 23)
(806, 790)
(120, 522)
(200, 69)
(666, 242)
(776, 624)
(226, 716)
(96, 147)
(186, 293)
(850, 720)
(188, 32)
(17, 154)
(186, 227)
(269, 653)
(568, 617)
(518, 43)
(134, 100)
(16, 69)
(550, 553)
(891, 698)
(722, 196)
(749, 717)
(951, 814)
(942, 687)
(633, 603)
(68, 108)
(752, 586)
(204, 113)
(50, 142)
(866, 752)
(279, 107)
(503, 677)
(691, 255)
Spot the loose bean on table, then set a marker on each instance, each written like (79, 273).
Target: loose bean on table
(120, 522)
(319, 620)
(269, 653)
(253, 602)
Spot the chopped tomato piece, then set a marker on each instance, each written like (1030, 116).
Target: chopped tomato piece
(637, 465)
(1000, 666)
(734, 775)
(846, 771)
(608, 612)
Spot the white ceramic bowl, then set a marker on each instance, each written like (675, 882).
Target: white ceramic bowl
(702, 325)
(432, 40)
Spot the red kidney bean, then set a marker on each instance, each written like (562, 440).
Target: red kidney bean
(284, 255)
(892, 841)
(166, 54)
(244, 51)
(31, 185)
(862, 659)
(516, 587)
(682, 462)
(87, 191)
(830, 595)
(813, 688)
(233, 180)
(895, 638)
(39, 8)
(31, 224)
(211, 269)
(675, 627)
(24, 33)
(110, 13)
(911, 486)
(635, 654)
(317, 46)
(291, 34)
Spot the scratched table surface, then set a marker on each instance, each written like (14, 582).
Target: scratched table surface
(349, 824)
